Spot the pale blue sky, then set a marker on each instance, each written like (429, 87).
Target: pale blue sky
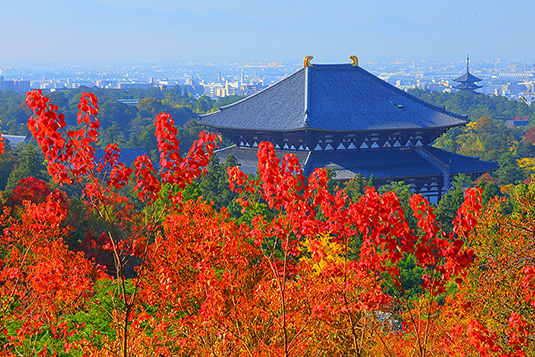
(250, 30)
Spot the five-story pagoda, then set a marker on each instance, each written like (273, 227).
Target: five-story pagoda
(341, 117)
(467, 81)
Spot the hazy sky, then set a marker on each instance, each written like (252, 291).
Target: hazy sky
(251, 30)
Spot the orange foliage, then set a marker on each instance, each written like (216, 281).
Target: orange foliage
(308, 278)
(41, 279)
(530, 136)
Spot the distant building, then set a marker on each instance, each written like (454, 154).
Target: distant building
(101, 83)
(17, 86)
(14, 139)
(517, 122)
(467, 81)
(220, 92)
(343, 118)
(513, 89)
(131, 102)
(249, 89)
(230, 88)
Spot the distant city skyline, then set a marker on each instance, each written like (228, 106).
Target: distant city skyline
(67, 31)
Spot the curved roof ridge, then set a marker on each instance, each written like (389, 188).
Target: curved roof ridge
(307, 94)
(412, 97)
(348, 65)
(254, 95)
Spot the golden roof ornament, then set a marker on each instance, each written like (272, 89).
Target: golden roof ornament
(355, 60)
(306, 62)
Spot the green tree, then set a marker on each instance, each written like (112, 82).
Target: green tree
(111, 135)
(446, 209)
(355, 187)
(149, 107)
(181, 114)
(509, 172)
(60, 98)
(173, 99)
(145, 137)
(30, 164)
(113, 111)
(8, 162)
(214, 187)
(204, 104)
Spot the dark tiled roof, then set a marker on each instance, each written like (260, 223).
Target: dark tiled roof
(127, 155)
(461, 163)
(279, 107)
(467, 77)
(381, 163)
(248, 159)
(332, 98)
(343, 97)
(389, 163)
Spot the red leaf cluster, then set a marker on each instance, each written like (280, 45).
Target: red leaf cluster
(71, 158)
